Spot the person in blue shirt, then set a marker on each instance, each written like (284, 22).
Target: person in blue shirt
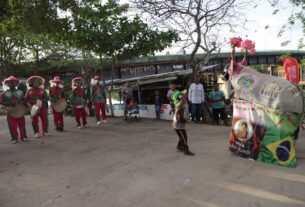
(217, 98)
(158, 104)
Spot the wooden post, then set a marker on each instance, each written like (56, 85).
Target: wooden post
(110, 91)
(139, 93)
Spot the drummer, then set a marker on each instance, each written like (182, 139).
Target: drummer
(36, 92)
(10, 98)
(57, 93)
(98, 99)
(78, 100)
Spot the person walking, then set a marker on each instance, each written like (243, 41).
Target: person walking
(217, 98)
(179, 121)
(36, 96)
(196, 99)
(98, 99)
(56, 91)
(78, 100)
(11, 98)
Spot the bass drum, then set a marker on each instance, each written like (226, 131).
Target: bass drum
(60, 105)
(18, 111)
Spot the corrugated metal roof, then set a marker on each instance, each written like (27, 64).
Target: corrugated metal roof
(159, 77)
(177, 58)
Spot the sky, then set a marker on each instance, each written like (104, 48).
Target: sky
(266, 39)
(259, 18)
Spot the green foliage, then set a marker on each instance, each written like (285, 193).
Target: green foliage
(298, 16)
(261, 68)
(53, 31)
(302, 63)
(103, 29)
(37, 16)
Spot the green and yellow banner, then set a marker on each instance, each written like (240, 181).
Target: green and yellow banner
(265, 134)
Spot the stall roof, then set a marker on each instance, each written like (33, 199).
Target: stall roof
(159, 77)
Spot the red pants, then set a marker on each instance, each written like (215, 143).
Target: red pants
(81, 113)
(100, 109)
(35, 120)
(14, 124)
(58, 119)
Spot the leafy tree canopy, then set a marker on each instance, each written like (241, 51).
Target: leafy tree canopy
(107, 31)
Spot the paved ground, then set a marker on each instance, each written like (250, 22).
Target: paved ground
(136, 165)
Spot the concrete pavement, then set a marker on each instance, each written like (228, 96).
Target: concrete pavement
(137, 165)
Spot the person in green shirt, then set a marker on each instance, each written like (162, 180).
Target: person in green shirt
(179, 121)
(217, 98)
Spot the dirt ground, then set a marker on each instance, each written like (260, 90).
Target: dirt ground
(136, 165)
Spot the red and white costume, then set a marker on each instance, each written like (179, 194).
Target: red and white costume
(10, 98)
(78, 100)
(32, 95)
(98, 98)
(56, 93)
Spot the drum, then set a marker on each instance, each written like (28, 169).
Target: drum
(60, 105)
(87, 110)
(36, 107)
(18, 111)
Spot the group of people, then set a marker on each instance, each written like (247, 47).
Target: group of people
(36, 98)
(196, 101)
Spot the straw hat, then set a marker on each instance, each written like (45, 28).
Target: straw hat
(78, 80)
(57, 80)
(11, 79)
(31, 79)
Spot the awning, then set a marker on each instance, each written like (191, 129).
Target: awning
(159, 77)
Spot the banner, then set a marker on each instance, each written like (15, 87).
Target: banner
(291, 67)
(267, 90)
(265, 134)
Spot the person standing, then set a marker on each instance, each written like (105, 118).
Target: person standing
(158, 104)
(57, 93)
(98, 99)
(10, 98)
(217, 98)
(127, 95)
(171, 91)
(78, 100)
(36, 95)
(179, 121)
(196, 98)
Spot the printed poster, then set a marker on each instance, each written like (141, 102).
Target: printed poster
(262, 133)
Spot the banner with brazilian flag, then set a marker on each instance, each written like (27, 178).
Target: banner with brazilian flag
(265, 134)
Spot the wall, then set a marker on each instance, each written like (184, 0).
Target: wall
(146, 111)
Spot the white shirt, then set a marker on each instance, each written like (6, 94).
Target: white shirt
(196, 93)
(170, 94)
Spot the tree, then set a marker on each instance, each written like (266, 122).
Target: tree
(198, 22)
(297, 17)
(32, 29)
(105, 30)
(37, 16)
